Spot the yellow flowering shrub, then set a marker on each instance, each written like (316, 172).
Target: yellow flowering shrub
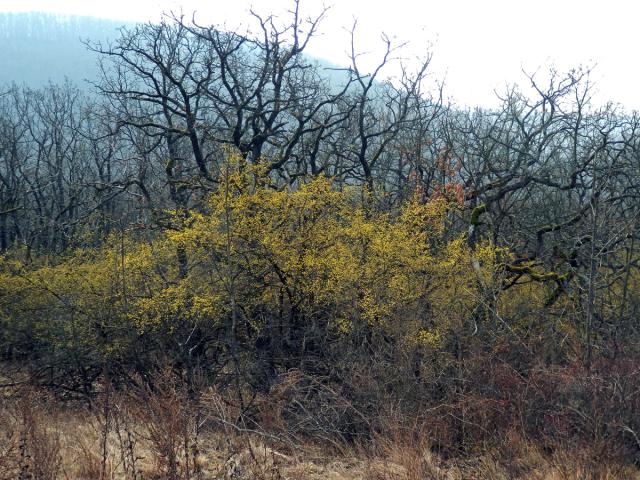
(261, 259)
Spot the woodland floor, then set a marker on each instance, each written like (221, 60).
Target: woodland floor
(54, 443)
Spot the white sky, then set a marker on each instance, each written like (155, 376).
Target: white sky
(478, 45)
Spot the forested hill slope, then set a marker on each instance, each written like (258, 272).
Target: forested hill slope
(38, 47)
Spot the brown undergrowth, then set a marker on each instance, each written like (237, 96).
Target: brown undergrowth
(168, 430)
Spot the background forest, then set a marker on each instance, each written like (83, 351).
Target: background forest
(226, 235)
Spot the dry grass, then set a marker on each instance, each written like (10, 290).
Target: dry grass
(162, 435)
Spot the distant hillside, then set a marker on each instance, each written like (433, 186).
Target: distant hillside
(38, 47)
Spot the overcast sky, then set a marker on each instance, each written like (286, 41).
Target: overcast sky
(478, 45)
